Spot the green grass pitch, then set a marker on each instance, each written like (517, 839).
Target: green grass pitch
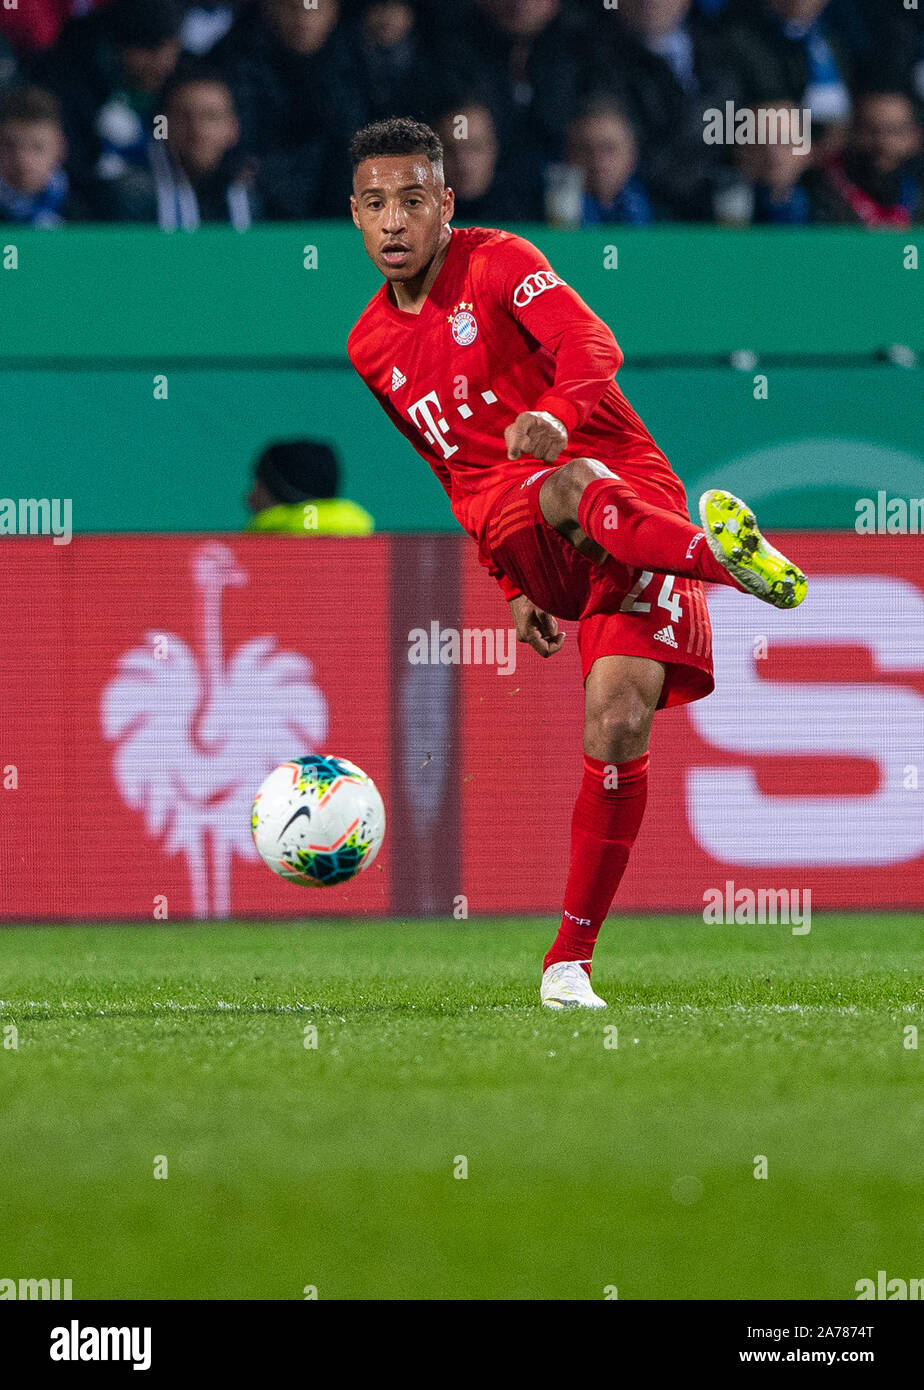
(589, 1167)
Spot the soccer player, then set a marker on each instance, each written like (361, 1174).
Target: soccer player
(575, 510)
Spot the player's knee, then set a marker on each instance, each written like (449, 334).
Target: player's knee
(563, 489)
(581, 471)
(619, 732)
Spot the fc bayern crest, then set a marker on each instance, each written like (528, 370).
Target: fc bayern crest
(462, 322)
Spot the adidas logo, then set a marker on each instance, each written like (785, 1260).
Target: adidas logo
(397, 379)
(666, 635)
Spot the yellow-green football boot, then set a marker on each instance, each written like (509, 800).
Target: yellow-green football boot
(733, 537)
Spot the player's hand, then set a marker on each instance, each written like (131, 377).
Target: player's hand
(539, 630)
(537, 434)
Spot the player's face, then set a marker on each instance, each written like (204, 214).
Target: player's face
(401, 206)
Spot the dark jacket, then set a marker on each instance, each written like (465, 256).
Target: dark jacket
(507, 200)
(297, 113)
(406, 80)
(531, 111)
(830, 204)
(134, 197)
(84, 69)
(767, 63)
(677, 165)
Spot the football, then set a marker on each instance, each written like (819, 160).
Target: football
(318, 820)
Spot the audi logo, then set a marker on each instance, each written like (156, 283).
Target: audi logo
(534, 284)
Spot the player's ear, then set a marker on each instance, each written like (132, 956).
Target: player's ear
(449, 205)
(354, 211)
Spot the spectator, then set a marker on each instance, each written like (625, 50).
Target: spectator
(484, 196)
(769, 186)
(299, 99)
(603, 145)
(34, 25)
(295, 491)
(531, 60)
(34, 189)
(108, 70)
(395, 71)
(686, 44)
(794, 47)
(668, 66)
(885, 39)
(305, 74)
(875, 182)
(197, 174)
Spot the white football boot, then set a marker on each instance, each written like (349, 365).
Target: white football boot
(566, 985)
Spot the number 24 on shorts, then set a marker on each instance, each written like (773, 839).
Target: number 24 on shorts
(632, 603)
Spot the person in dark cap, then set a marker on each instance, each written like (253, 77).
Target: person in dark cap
(295, 491)
(108, 70)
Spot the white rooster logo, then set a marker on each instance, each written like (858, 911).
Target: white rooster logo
(195, 738)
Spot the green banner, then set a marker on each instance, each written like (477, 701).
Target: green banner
(141, 372)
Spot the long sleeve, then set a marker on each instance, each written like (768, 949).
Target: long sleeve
(586, 354)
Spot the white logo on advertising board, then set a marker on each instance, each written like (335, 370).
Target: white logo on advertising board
(195, 733)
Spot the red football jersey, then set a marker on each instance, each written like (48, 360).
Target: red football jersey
(501, 333)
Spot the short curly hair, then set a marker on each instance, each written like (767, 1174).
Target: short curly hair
(398, 135)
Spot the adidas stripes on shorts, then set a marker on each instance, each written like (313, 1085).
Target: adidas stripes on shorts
(620, 611)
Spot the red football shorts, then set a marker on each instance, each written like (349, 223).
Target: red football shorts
(620, 611)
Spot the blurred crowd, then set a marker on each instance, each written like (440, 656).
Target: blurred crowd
(575, 112)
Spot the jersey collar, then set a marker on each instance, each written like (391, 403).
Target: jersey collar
(403, 315)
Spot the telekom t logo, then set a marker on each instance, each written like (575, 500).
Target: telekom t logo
(432, 426)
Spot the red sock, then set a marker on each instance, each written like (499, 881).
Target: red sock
(603, 830)
(644, 536)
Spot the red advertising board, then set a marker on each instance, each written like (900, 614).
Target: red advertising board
(149, 683)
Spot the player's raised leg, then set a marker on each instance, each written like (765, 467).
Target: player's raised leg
(584, 499)
(620, 697)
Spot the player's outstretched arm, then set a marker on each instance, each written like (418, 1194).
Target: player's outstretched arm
(537, 629)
